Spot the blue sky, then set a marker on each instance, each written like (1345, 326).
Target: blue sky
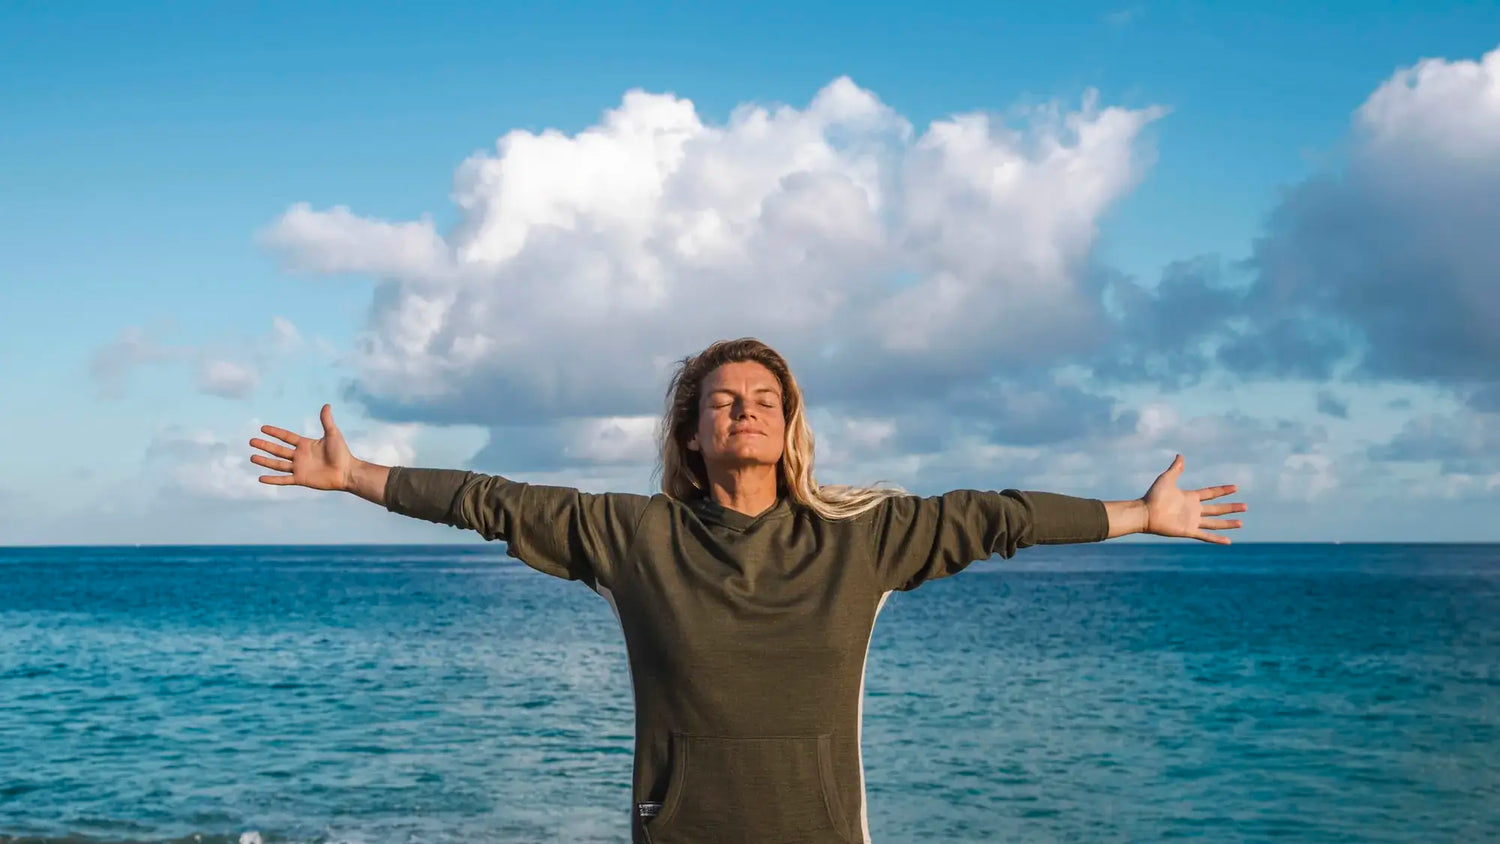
(177, 271)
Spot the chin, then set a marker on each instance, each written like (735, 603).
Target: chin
(750, 455)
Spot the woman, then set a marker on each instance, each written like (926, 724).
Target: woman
(746, 591)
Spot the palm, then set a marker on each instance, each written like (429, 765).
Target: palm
(1179, 512)
(323, 463)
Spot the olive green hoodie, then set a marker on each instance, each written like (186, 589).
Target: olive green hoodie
(747, 635)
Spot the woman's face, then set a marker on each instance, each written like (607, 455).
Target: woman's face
(741, 421)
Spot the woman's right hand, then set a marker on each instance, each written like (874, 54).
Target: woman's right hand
(317, 464)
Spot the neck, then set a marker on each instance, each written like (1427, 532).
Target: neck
(750, 490)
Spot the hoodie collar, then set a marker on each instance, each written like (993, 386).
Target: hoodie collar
(710, 510)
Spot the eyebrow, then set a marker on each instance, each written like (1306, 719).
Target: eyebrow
(756, 390)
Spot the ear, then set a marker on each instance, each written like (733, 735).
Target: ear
(692, 444)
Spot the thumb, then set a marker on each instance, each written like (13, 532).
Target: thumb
(327, 417)
(1176, 467)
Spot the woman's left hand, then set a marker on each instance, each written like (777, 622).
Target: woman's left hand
(1180, 512)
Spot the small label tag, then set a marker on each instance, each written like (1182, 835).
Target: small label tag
(647, 810)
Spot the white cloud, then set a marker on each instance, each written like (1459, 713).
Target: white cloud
(202, 464)
(1306, 477)
(224, 368)
(624, 439)
(922, 282)
(845, 440)
(226, 379)
(1436, 110)
(345, 243)
(110, 364)
(386, 444)
(583, 264)
(1396, 255)
(1381, 270)
(285, 338)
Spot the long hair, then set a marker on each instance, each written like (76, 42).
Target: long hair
(684, 475)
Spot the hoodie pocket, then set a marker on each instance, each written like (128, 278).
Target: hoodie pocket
(750, 789)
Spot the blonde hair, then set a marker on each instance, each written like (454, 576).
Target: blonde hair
(684, 475)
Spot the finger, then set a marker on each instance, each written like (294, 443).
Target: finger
(1215, 491)
(1221, 509)
(1212, 537)
(278, 465)
(278, 450)
(282, 434)
(1219, 524)
(277, 480)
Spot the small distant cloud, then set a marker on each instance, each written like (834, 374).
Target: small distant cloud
(1306, 477)
(200, 463)
(1486, 399)
(1461, 443)
(111, 364)
(1124, 17)
(228, 370)
(226, 379)
(285, 338)
(1331, 405)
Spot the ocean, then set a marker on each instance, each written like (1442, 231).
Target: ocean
(1106, 692)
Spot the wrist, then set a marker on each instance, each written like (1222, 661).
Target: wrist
(1127, 517)
(354, 478)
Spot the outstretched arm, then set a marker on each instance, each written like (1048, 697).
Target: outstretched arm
(1166, 510)
(557, 530)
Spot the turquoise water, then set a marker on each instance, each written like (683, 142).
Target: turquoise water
(1111, 692)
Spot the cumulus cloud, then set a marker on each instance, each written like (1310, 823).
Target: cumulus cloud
(881, 259)
(1382, 271)
(926, 284)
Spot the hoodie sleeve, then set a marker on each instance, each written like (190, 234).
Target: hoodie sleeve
(556, 530)
(921, 539)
